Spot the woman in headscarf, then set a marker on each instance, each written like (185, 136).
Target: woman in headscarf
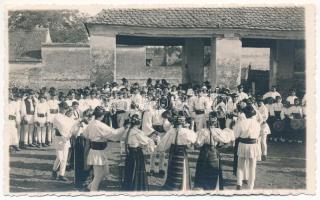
(135, 177)
(178, 139)
(208, 174)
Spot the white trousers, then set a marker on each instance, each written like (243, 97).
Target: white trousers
(99, 172)
(28, 130)
(41, 134)
(264, 146)
(61, 160)
(200, 121)
(51, 131)
(153, 160)
(246, 171)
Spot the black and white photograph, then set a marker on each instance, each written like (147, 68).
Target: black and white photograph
(159, 100)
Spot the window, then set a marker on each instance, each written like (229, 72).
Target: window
(163, 56)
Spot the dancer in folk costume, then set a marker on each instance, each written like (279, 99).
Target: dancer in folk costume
(135, 176)
(12, 123)
(98, 132)
(178, 140)
(65, 127)
(41, 114)
(249, 150)
(208, 174)
(81, 150)
(265, 130)
(221, 109)
(155, 125)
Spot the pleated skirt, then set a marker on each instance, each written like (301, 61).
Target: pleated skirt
(178, 175)
(208, 169)
(135, 176)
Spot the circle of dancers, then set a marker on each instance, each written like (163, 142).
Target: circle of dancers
(157, 119)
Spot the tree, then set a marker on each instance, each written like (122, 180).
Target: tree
(64, 25)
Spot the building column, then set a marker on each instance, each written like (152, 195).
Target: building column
(225, 66)
(193, 61)
(102, 58)
(273, 66)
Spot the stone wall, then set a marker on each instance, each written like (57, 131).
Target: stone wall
(66, 66)
(25, 74)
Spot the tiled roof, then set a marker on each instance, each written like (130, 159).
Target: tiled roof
(261, 18)
(26, 45)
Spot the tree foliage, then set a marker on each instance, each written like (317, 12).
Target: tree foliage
(65, 26)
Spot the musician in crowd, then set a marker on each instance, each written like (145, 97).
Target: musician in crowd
(292, 96)
(295, 111)
(273, 93)
(135, 176)
(208, 175)
(177, 139)
(277, 108)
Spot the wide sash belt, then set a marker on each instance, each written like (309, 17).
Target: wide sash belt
(98, 145)
(248, 140)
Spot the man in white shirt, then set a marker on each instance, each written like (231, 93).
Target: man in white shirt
(53, 104)
(41, 114)
(200, 108)
(65, 127)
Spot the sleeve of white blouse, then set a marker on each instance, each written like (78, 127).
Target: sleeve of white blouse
(191, 136)
(146, 141)
(166, 141)
(225, 136)
(147, 123)
(237, 129)
(116, 134)
(201, 136)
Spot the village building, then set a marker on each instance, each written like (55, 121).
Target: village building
(119, 41)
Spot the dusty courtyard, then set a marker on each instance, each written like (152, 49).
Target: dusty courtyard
(285, 168)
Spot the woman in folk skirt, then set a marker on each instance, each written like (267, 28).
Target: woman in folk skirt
(81, 150)
(178, 139)
(208, 169)
(135, 176)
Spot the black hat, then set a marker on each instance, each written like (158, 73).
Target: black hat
(213, 116)
(75, 103)
(99, 111)
(63, 106)
(249, 111)
(41, 96)
(135, 119)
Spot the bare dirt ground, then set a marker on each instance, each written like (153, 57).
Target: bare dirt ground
(285, 168)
